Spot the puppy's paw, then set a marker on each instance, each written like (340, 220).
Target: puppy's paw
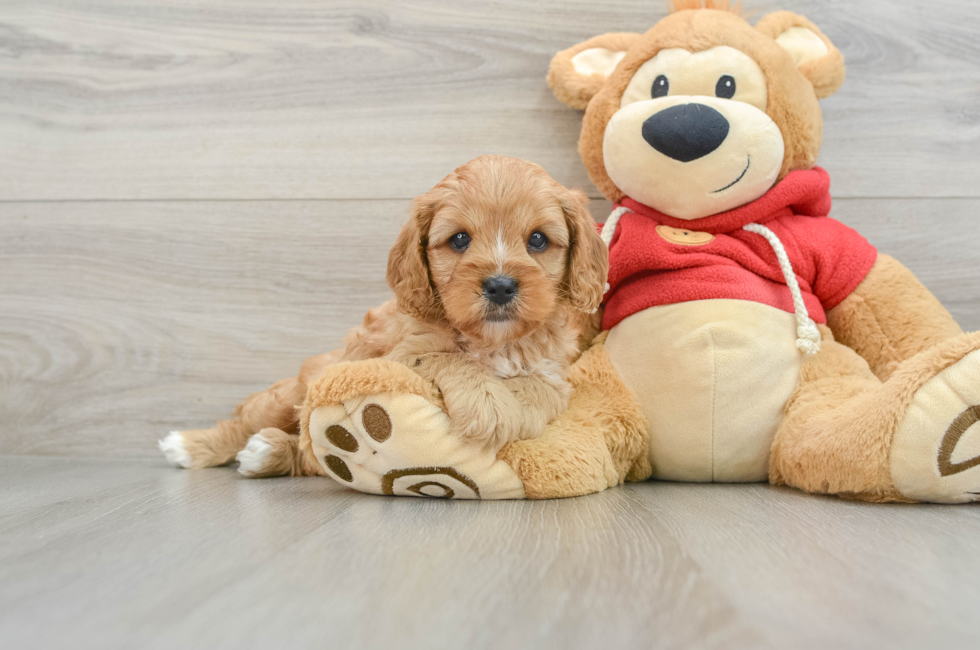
(254, 459)
(475, 426)
(175, 450)
(270, 452)
(427, 366)
(197, 448)
(482, 416)
(511, 426)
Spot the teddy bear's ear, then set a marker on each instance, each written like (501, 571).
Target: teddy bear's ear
(813, 53)
(577, 74)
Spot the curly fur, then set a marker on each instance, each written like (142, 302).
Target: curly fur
(499, 371)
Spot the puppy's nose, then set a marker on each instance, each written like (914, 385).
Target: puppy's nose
(500, 289)
(686, 132)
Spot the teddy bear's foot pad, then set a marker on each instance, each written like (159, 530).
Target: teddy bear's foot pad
(400, 444)
(936, 450)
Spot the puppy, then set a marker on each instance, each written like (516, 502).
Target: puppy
(496, 277)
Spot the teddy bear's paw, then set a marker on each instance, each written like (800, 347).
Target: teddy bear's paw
(400, 444)
(936, 449)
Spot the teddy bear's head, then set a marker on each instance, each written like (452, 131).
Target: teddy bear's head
(703, 113)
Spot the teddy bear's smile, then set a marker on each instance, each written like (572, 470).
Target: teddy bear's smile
(748, 164)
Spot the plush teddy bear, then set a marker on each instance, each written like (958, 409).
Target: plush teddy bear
(749, 336)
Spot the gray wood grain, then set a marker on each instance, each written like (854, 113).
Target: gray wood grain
(158, 262)
(132, 554)
(124, 320)
(124, 99)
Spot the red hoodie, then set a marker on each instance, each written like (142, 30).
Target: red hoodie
(679, 262)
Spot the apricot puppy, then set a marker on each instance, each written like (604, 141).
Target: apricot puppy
(495, 278)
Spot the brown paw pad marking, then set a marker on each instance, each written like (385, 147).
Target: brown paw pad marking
(341, 438)
(339, 467)
(376, 422)
(966, 419)
(432, 489)
(439, 482)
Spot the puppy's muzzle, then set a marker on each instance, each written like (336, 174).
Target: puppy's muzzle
(686, 132)
(500, 289)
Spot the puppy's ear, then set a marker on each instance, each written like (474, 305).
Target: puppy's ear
(812, 52)
(588, 257)
(577, 74)
(408, 268)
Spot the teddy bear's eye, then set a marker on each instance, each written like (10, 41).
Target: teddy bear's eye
(726, 87)
(660, 87)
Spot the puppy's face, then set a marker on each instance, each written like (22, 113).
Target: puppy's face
(505, 246)
(497, 256)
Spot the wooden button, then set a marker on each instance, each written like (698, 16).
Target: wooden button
(685, 237)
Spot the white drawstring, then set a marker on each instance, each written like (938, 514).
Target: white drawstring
(609, 228)
(809, 336)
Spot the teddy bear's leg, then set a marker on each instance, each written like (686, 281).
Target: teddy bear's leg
(845, 432)
(891, 317)
(816, 448)
(600, 441)
(377, 426)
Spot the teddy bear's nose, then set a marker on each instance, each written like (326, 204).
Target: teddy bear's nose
(686, 132)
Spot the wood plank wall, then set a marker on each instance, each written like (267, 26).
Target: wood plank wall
(194, 196)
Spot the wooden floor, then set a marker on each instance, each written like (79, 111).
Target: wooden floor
(133, 554)
(196, 195)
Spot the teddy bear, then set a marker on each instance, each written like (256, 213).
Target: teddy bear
(747, 336)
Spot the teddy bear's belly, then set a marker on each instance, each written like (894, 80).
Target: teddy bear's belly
(713, 377)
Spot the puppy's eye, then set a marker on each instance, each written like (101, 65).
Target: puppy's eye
(726, 87)
(660, 87)
(459, 242)
(537, 242)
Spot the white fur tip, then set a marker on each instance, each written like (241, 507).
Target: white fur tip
(253, 458)
(173, 448)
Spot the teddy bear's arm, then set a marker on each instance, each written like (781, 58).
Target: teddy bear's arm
(890, 317)
(600, 441)
(375, 426)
